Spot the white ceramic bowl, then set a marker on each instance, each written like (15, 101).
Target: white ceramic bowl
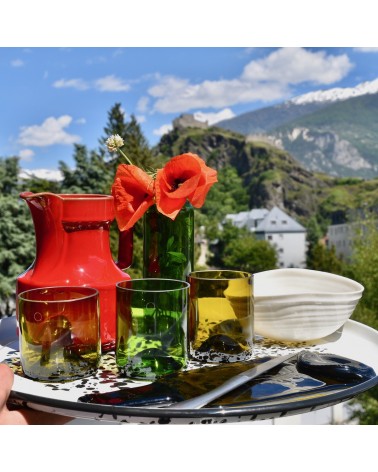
(301, 305)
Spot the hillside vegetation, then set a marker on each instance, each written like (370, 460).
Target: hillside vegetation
(272, 176)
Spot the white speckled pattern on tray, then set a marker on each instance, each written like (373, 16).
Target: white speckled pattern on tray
(354, 341)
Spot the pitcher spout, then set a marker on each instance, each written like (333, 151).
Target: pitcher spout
(41, 201)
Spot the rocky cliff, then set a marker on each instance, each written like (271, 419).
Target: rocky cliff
(273, 177)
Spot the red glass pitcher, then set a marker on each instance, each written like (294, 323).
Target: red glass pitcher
(73, 248)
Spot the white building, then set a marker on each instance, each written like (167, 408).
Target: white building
(341, 238)
(285, 234)
(248, 219)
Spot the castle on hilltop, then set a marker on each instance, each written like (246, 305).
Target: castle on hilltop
(188, 120)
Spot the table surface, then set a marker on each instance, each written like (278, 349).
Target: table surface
(354, 341)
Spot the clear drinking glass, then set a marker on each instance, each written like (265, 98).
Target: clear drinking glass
(151, 327)
(221, 316)
(59, 332)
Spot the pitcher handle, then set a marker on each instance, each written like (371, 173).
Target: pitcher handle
(125, 248)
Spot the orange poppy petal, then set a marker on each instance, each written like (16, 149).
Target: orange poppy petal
(133, 192)
(134, 176)
(140, 211)
(200, 194)
(167, 186)
(171, 208)
(165, 204)
(184, 177)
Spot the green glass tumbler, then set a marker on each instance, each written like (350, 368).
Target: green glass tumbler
(221, 316)
(151, 336)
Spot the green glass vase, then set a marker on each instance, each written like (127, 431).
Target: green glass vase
(168, 245)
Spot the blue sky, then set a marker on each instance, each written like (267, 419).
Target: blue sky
(53, 97)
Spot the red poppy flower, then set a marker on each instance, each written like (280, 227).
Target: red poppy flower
(133, 192)
(184, 177)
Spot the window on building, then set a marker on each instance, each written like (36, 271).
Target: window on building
(273, 222)
(284, 222)
(270, 237)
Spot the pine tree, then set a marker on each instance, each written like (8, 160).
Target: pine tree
(313, 237)
(17, 249)
(136, 146)
(90, 175)
(9, 170)
(115, 125)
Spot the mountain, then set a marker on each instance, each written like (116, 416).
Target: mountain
(272, 176)
(333, 131)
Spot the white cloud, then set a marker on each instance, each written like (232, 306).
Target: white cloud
(118, 52)
(26, 155)
(174, 96)
(78, 84)
(96, 60)
(215, 117)
(50, 132)
(142, 104)
(141, 118)
(163, 130)
(81, 121)
(46, 174)
(266, 79)
(297, 65)
(366, 49)
(111, 83)
(17, 63)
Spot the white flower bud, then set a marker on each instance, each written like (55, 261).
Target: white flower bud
(114, 142)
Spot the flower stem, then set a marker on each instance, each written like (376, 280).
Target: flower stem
(125, 156)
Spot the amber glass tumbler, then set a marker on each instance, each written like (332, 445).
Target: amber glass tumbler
(59, 332)
(221, 317)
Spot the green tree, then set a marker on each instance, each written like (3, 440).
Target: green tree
(364, 264)
(16, 234)
(249, 254)
(136, 146)
(37, 185)
(324, 259)
(364, 268)
(17, 248)
(313, 237)
(239, 249)
(116, 124)
(227, 196)
(9, 170)
(90, 174)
